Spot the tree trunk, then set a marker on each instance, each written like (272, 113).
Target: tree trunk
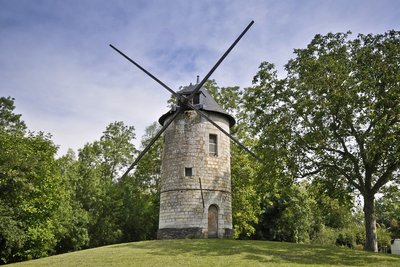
(371, 243)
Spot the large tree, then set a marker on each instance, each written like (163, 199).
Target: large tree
(336, 115)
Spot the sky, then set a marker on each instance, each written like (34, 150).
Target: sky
(56, 62)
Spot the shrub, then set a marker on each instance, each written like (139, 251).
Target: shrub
(325, 236)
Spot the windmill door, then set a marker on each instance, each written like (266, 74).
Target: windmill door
(213, 222)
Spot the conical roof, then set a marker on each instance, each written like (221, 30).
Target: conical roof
(206, 103)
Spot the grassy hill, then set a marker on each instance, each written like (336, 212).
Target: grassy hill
(203, 252)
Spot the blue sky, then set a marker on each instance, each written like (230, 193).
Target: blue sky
(55, 59)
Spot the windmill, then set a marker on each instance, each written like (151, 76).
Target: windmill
(195, 198)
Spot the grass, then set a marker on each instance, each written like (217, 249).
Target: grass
(203, 252)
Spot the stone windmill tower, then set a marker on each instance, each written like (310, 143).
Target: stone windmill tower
(195, 196)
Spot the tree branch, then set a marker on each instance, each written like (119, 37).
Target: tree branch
(360, 143)
(352, 158)
(385, 177)
(349, 178)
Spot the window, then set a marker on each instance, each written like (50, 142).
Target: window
(196, 99)
(188, 172)
(213, 145)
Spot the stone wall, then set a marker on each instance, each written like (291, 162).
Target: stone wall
(181, 204)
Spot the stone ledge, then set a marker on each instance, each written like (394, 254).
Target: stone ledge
(190, 232)
(179, 233)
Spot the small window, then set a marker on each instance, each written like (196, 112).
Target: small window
(196, 99)
(188, 172)
(213, 145)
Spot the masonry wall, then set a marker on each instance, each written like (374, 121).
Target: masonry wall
(182, 214)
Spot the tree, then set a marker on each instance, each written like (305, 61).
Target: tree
(9, 121)
(12, 235)
(100, 166)
(141, 192)
(73, 231)
(30, 189)
(245, 194)
(335, 116)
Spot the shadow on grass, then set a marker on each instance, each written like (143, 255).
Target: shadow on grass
(265, 252)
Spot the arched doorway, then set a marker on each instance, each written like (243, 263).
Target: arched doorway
(213, 221)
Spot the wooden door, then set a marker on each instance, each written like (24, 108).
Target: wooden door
(213, 222)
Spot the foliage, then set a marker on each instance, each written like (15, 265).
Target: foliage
(227, 97)
(325, 236)
(286, 215)
(140, 192)
(388, 210)
(332, 206)
(12, 236)
(9, 121)
(383, 239)
(100, 164)
(245, 200)
(73, 233)
(351, 236)
(30, 190)
(149, 168)
(336, 114)
(50, 205)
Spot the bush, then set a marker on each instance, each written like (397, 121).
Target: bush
(325, 236)
(384, 237)
(346, 239)
(351, 237)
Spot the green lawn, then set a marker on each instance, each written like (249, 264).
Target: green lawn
(203, 252)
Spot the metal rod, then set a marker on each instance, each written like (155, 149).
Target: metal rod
(201, 191)
(219, 61)
(147, 72)
(186, 100)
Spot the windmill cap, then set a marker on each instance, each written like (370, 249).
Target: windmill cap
(206, 101)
